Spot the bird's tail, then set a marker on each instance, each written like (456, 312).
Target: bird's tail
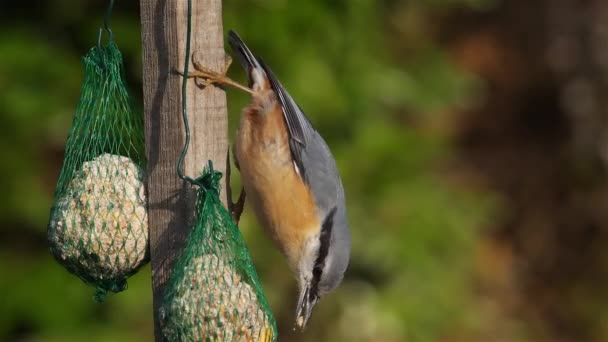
(248, 61)
(246, 57)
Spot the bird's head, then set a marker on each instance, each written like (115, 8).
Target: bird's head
(324, 260)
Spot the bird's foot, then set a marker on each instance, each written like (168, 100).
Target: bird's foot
(206, 77)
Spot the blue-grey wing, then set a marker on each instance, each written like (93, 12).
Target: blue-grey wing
(310, 153)
(322, 175)
(298, 125)
(317, 168)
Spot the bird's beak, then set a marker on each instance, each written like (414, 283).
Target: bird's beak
(306, 302)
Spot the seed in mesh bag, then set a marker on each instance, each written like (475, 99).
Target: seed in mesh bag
(99, 228)
(220, 307)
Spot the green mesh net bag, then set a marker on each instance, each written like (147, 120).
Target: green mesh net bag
(214, 293)
(98, 227)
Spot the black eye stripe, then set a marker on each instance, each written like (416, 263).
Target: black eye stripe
(324, 240)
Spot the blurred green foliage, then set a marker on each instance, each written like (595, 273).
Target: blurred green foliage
(373, 82)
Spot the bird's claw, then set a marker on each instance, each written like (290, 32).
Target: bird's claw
(206, 77)
(235, 208)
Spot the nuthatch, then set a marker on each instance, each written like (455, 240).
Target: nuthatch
(291, 180)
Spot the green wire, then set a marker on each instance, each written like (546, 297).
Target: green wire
(106, 26)
(206, 181)
(180, 161)
(106, 20)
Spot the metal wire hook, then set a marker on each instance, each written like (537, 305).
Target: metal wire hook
(106, 20)
(182, 156)
(210, 179)
(106, 25)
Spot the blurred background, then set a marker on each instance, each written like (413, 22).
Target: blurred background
(472, 137)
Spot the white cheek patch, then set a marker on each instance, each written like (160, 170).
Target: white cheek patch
(309, 256)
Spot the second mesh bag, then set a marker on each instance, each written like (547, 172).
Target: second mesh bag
(98, 227)
(214, 293)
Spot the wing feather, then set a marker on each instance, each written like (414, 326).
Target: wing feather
(300, 128)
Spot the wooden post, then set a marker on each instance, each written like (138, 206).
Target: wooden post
(171, 201)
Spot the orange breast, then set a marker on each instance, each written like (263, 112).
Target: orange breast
(281, 201)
